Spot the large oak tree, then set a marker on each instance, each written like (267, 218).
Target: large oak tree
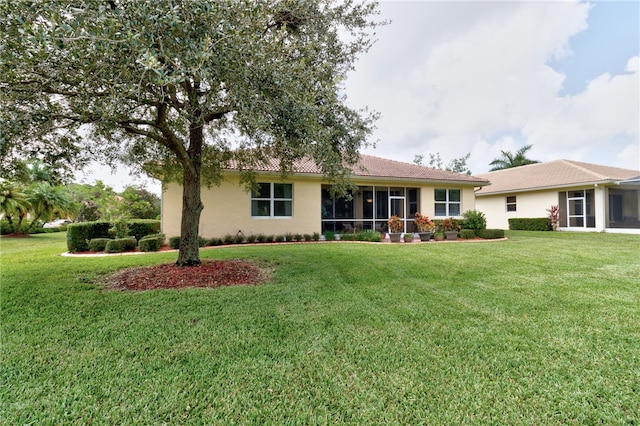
(179, 88)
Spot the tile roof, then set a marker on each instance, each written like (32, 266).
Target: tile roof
(552, 174)
(375, 167)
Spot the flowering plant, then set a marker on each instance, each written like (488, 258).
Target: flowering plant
(395, 224)
(423, 223)
(449, 224)
(554, 216)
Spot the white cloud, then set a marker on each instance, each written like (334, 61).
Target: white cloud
(474, 77)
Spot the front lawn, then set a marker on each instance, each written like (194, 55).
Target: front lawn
(541, 329)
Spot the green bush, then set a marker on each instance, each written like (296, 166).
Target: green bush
(238, 239)
(315, 236)
(79, 234)
(174, 242)
(279, 238)
(98, 244)
(261, 238)
(467, 234)
(474, 219)
(530, 224)
(121, 244)
(369, 235)
(140, 228)
(214, 242)
(228, 239)
(329, 236)
(490, 234)
(251, 238)
(153, 242)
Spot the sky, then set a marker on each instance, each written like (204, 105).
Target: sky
(481, 77)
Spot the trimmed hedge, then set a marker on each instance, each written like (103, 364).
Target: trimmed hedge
(530, 224)
(98, 244)
(140, 228)
(121, 244)
(467, 234)
(151, 242)
(490, 234)
(79, 234)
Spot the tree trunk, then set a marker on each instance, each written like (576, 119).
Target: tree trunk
(189, 254)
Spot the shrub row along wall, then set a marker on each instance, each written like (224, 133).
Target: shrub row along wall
(530, 224)
(79, 234)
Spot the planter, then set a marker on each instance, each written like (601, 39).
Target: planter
(451, 235)
(395, 236)
(408, 237)
(438, 237)
(425, 236)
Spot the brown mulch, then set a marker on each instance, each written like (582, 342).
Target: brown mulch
(216, 273)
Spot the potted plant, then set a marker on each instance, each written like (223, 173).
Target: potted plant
(450, 227)
(395, 228)
(425, 226)
(408, 237)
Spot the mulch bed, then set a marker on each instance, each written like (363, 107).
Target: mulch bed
(216, 273)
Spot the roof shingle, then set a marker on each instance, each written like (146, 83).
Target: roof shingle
(376, 167)
(552, 174)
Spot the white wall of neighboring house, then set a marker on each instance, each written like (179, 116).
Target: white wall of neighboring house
(528, 205)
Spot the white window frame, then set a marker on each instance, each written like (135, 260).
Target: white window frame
(447, 203)
(271, 199)
(514, 203)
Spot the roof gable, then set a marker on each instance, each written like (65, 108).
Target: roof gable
(552, 174)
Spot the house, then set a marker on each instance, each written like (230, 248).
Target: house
(590, 197)
(303, 203)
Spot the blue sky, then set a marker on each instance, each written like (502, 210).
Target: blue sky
(458, 77)
(612, 37)
(479, 77)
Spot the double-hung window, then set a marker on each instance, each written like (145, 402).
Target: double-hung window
(272, 200)
(511, 203)
(447, 202)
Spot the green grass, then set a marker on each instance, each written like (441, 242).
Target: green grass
(541, 329)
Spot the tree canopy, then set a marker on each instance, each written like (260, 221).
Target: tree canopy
(180, 88)
(509, 159)
(457, 165)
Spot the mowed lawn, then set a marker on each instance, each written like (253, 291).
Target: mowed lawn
(541, 329)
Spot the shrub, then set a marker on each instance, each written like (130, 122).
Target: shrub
(174, 242)
(238, 239)
(228, 239)
(261, 238)
(467, 234)
(369, 235)
(490, 234)
(299, 237)
(120, 229)
(214, 242)
(121, 244)
(307, 237)
(329, 236)
(315, 236)
(98, 244)
(530, 224)
(348, 237)
(279, 238)
(151, 242)
(474, 219)
(202, 241)
(140, 228)
(79, 234)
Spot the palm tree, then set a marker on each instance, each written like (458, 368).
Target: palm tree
(510, 160)
(13, 203)
(48, 201)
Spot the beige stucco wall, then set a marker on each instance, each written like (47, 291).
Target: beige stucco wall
(528, 205)
(227, 210)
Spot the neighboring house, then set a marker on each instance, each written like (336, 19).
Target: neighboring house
(303, 204)
(590, 197)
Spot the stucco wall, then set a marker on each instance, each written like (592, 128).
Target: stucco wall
(227, 210)
(528, 205)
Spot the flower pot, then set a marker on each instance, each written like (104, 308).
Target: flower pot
(395, 236)
(451, 235)
(425, 236)
(438, 237)
(408, 237)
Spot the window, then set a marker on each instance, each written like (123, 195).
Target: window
(511, 204)
(447, 202)
(272, 200)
